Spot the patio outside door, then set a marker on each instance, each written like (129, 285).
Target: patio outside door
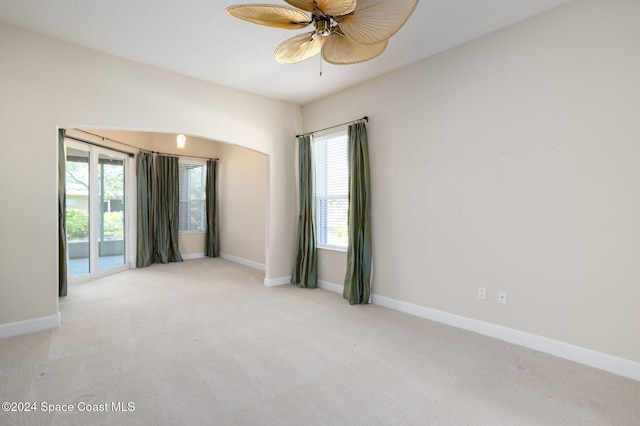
(95, 218)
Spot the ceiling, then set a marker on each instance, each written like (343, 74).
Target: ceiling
(197, 38)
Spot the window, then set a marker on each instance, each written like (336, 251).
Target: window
(331, 190)
(192, 196)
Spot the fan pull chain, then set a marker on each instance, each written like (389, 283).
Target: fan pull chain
(320, 65)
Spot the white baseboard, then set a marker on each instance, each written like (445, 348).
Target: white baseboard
(192, 256)
(29, 326)
(245, 262)
(274, 282)
(610, 363)
(591, 358)
(189, 256)
(326, 285)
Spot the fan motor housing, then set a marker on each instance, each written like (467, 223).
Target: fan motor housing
(323, 26)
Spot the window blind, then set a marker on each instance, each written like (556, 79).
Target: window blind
(331, 189)
(192, 196)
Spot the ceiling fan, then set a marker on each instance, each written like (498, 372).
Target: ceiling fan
(345, 31)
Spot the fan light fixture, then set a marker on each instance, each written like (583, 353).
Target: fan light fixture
(345, 31)
(181, 140)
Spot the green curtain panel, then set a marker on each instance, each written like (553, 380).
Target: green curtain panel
(211, 247)
(357, 282)
(305, 268)
(62, 214)
(145, 229)
(167, 210)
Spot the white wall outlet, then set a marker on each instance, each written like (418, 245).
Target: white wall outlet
(482, 293)
(322, 261)
(502, 297)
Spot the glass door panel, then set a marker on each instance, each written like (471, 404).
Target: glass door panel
(95, 215)
(78, 185)
(111, 208)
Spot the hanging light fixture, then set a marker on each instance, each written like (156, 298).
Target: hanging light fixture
(181, 139)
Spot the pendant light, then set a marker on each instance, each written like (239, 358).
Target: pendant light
(181, 139)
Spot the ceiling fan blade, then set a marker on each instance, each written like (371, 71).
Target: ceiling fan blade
(374, 21)
(328, 7)
(336, 7)
(307, 5)
(271, 15)
(339, 50)
(299, 48)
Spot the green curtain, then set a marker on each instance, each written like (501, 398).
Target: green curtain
(357, 282)
(167, 210)
(211, 247)
(305, 268)
(62, 228)
(144, 232)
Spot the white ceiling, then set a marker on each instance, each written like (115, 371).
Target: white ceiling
(199, 39)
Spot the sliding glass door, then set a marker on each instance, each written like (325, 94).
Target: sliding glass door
(77, 216)
(95, 218)
(110, 235)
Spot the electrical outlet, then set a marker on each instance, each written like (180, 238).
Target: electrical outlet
(502, 297)
(322, 261)
(482, 293)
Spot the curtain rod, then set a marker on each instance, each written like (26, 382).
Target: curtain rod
(178, 155)
(365, 118)
(130, 146)
(130, 154)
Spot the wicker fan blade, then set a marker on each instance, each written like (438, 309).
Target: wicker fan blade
(328, 7)
(339, 50)
(299, 48)
(336, 7)
(272, 16)
(307, 5)
(374, 21)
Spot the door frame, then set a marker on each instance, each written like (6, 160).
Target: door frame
(94, 152)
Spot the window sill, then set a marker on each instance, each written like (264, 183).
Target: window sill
(333, 248)
(190, 232)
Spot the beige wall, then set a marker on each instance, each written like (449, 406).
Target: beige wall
(46, 83)
(243, 185)
(195, 146)
(108, 136)
(332, 266)
(512, 163)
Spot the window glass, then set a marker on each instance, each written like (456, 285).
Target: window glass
(192, 196)
(331, 189)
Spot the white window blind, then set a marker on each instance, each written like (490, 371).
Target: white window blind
(192, 196)
(331, 189)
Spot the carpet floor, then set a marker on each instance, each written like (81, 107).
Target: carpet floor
(205, 342)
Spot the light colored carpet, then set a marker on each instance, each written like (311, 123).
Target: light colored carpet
(204, 342)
